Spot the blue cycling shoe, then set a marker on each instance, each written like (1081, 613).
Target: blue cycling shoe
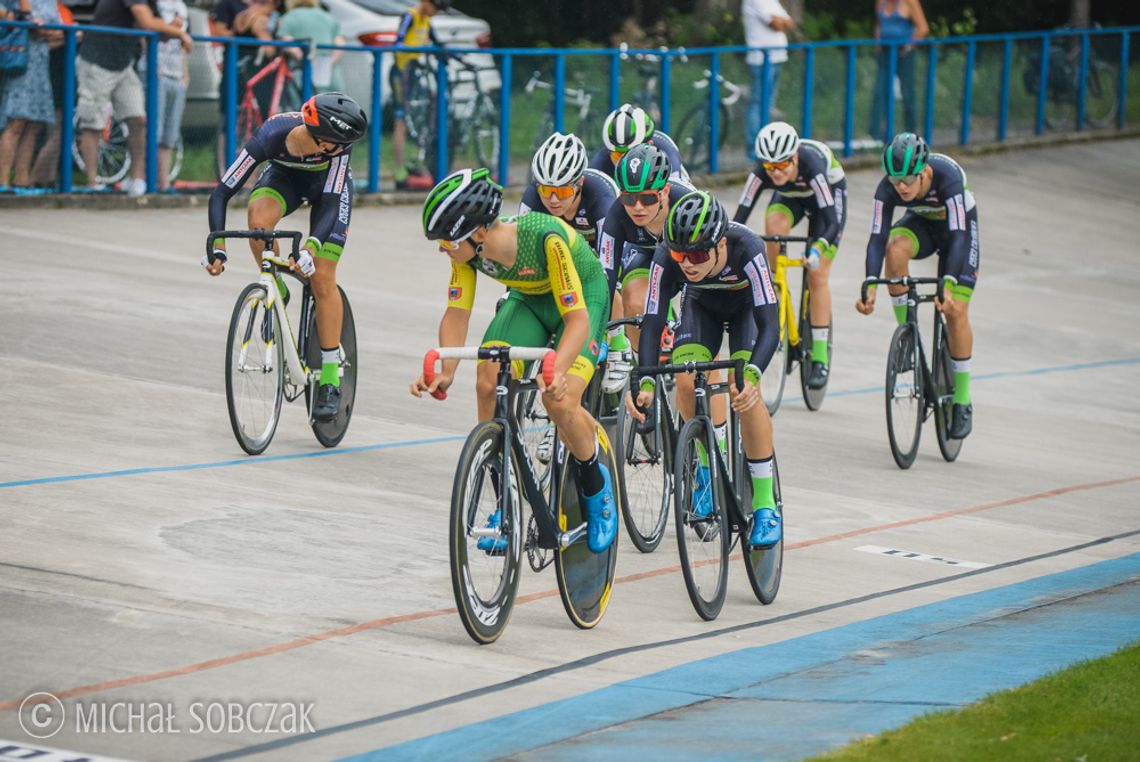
(767, 528)
(601, 515)
(493, 546)
(702, 493)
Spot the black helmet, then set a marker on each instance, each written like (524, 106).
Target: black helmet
(697, 221)
(642, 168)
(461, 202)
(906, 154)
(334, 117)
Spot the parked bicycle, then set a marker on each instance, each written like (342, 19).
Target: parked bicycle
(473, 113)
(694, 134)
(916, 389)
(576, 101)
(285, 95)
(795, 333)
(1063, 78)
(705, 543)
(648, 71)
(496, 473)
(267, 362)
(114, 158)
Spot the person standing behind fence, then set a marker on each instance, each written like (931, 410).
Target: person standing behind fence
(173, 79)
(108, 83)
(901, 22)
(45, 171)
(25, 100)
(766, 25)
(305, 20)
(415, 31)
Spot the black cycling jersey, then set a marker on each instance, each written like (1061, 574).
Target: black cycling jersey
(944, 220)
(598, 194)
(818, 191)
(603, 162)
(626, 249)
(325, 181)
(743, 287)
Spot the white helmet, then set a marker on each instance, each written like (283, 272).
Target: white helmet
(627, 126)
(777, 141)
(560, 160)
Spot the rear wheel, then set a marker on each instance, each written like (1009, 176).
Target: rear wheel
(694, 136)
(765, 565)
(906, 404)
(484, 128)
(647, 474)
(813, 398)
(702, 540)
(114, 157)
(943, 392)
(775, 377)
(255, 370)
(329, 433)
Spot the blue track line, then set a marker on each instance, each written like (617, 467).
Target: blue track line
(442, 440)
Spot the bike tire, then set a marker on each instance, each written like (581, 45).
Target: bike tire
(1101, 94)
(765, 566)
(329, 433)
(905, 395)
(647, 475)
(813, 398)
(585, 578)
(484, 585)
(775, 376)
(484, 127)
(943, 392)
(702, 543)
(255, 380)
(113, 161)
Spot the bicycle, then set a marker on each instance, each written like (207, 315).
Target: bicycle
(914, 388)
(285, 95)
(1063, 85)
(648, 71)
(266, 362)
(706, 542)
(795, 334)
(114, 158)
(473, 117)
(485, 582)
(695, 130)
(574, 99)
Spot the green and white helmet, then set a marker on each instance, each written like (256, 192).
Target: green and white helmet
(906, 154)
(697, 221)
(460, 203)
(626, 127)
(642, 168)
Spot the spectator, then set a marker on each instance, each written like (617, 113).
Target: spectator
(766, 25)
(306, 20)
(248, 20)
(107, 79)
(415, 31)
(46, 168)
(25, 102)
(173, 79)
(901, 22)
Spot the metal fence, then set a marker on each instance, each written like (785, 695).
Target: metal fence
(492, 107)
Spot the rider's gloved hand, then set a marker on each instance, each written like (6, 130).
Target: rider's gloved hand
(214, 262)
(305, 263)
(813, 257)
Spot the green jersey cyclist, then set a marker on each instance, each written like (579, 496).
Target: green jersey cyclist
(557, 293)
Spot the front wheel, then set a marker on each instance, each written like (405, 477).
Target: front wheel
(484, 583)
(694, 136)
(906, 404)
(944, 393)
(255, 370)
(484, 129)
(329, 433)
(647, 474)
(702, 526)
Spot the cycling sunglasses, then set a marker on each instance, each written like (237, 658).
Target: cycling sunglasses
(904, 179)
(647, 198)
(561, 191)
(615, 156)
(694, 257)
(777, 165)
(453, 245)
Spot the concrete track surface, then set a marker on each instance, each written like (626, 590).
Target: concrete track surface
(145, 560)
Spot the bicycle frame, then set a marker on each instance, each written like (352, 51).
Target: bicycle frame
(780, 279)
(913, 299)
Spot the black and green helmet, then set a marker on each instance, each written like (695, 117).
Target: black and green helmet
(906, 154)
(697, 221)
(461, 202)
(644, 167)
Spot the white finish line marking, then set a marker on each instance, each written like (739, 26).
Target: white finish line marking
(912, 556)
(11, 750)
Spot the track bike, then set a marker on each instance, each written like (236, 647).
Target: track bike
(267, 363)
(284, 95)
(915, 390)
(114, 157)
(795, 332)
(473, 114)
(496, 473)
(694, 135)
(705, 543)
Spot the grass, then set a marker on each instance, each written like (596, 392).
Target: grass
(1088, 712)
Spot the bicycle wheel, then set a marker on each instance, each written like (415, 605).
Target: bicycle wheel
(764, 565)
(775, 376)
(694, 136)
(484, 129)
(484, 584)
(813, 398)
(329, 433)
(537, 430)
(647, 474)
(702, 541)
(114, 157)
(943, 392)
(419, 115)
(906, 404)
(255, 370)
(585, 579)
(1101, 93)
(176, 157)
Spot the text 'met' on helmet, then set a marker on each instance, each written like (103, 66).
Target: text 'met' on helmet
(335, 118)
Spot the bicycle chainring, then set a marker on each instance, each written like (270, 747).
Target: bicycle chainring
(538, 558)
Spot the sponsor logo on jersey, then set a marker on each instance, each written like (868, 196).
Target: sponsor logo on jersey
(238, 169)
(607, 251)
(345, 208)
(877, 218)
(751, 188)
(454, 294)
(974, 247)
(654, 290)
(527, 271)
(570, 299)
(594, 348)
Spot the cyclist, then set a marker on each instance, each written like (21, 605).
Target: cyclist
(564, 187)
(415, 30)
(557, 292)
(727, 285)
(309, 154)
(629, 126)
(808, 182)
(942, 218)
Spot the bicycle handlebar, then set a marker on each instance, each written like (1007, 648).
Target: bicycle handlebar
(689, 367)
(905, 280)
(266, 236)
(494, 354)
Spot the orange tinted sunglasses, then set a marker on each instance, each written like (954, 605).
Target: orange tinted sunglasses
(695, 257)
(561, 191)
(777, 165)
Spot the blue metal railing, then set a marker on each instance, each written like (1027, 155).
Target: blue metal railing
(1059, 67)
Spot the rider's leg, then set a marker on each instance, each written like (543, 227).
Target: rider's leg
(330, 316)
(266, 208)
(820, 309)
(633, 292)
(960, 336)
(777, 221)
(901, 248)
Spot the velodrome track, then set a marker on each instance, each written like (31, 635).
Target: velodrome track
(146, 559)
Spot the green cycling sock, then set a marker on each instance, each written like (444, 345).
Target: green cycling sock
(763, 494)
(819, 344)
(702, 454)
(721, 432)
(330, 366)
(618, 341)
(961, 370)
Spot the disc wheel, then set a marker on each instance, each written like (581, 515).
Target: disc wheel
(702, 541)
(255, 370)
(906, 405)
(944, 394)
(813, 398)
(329, 433)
